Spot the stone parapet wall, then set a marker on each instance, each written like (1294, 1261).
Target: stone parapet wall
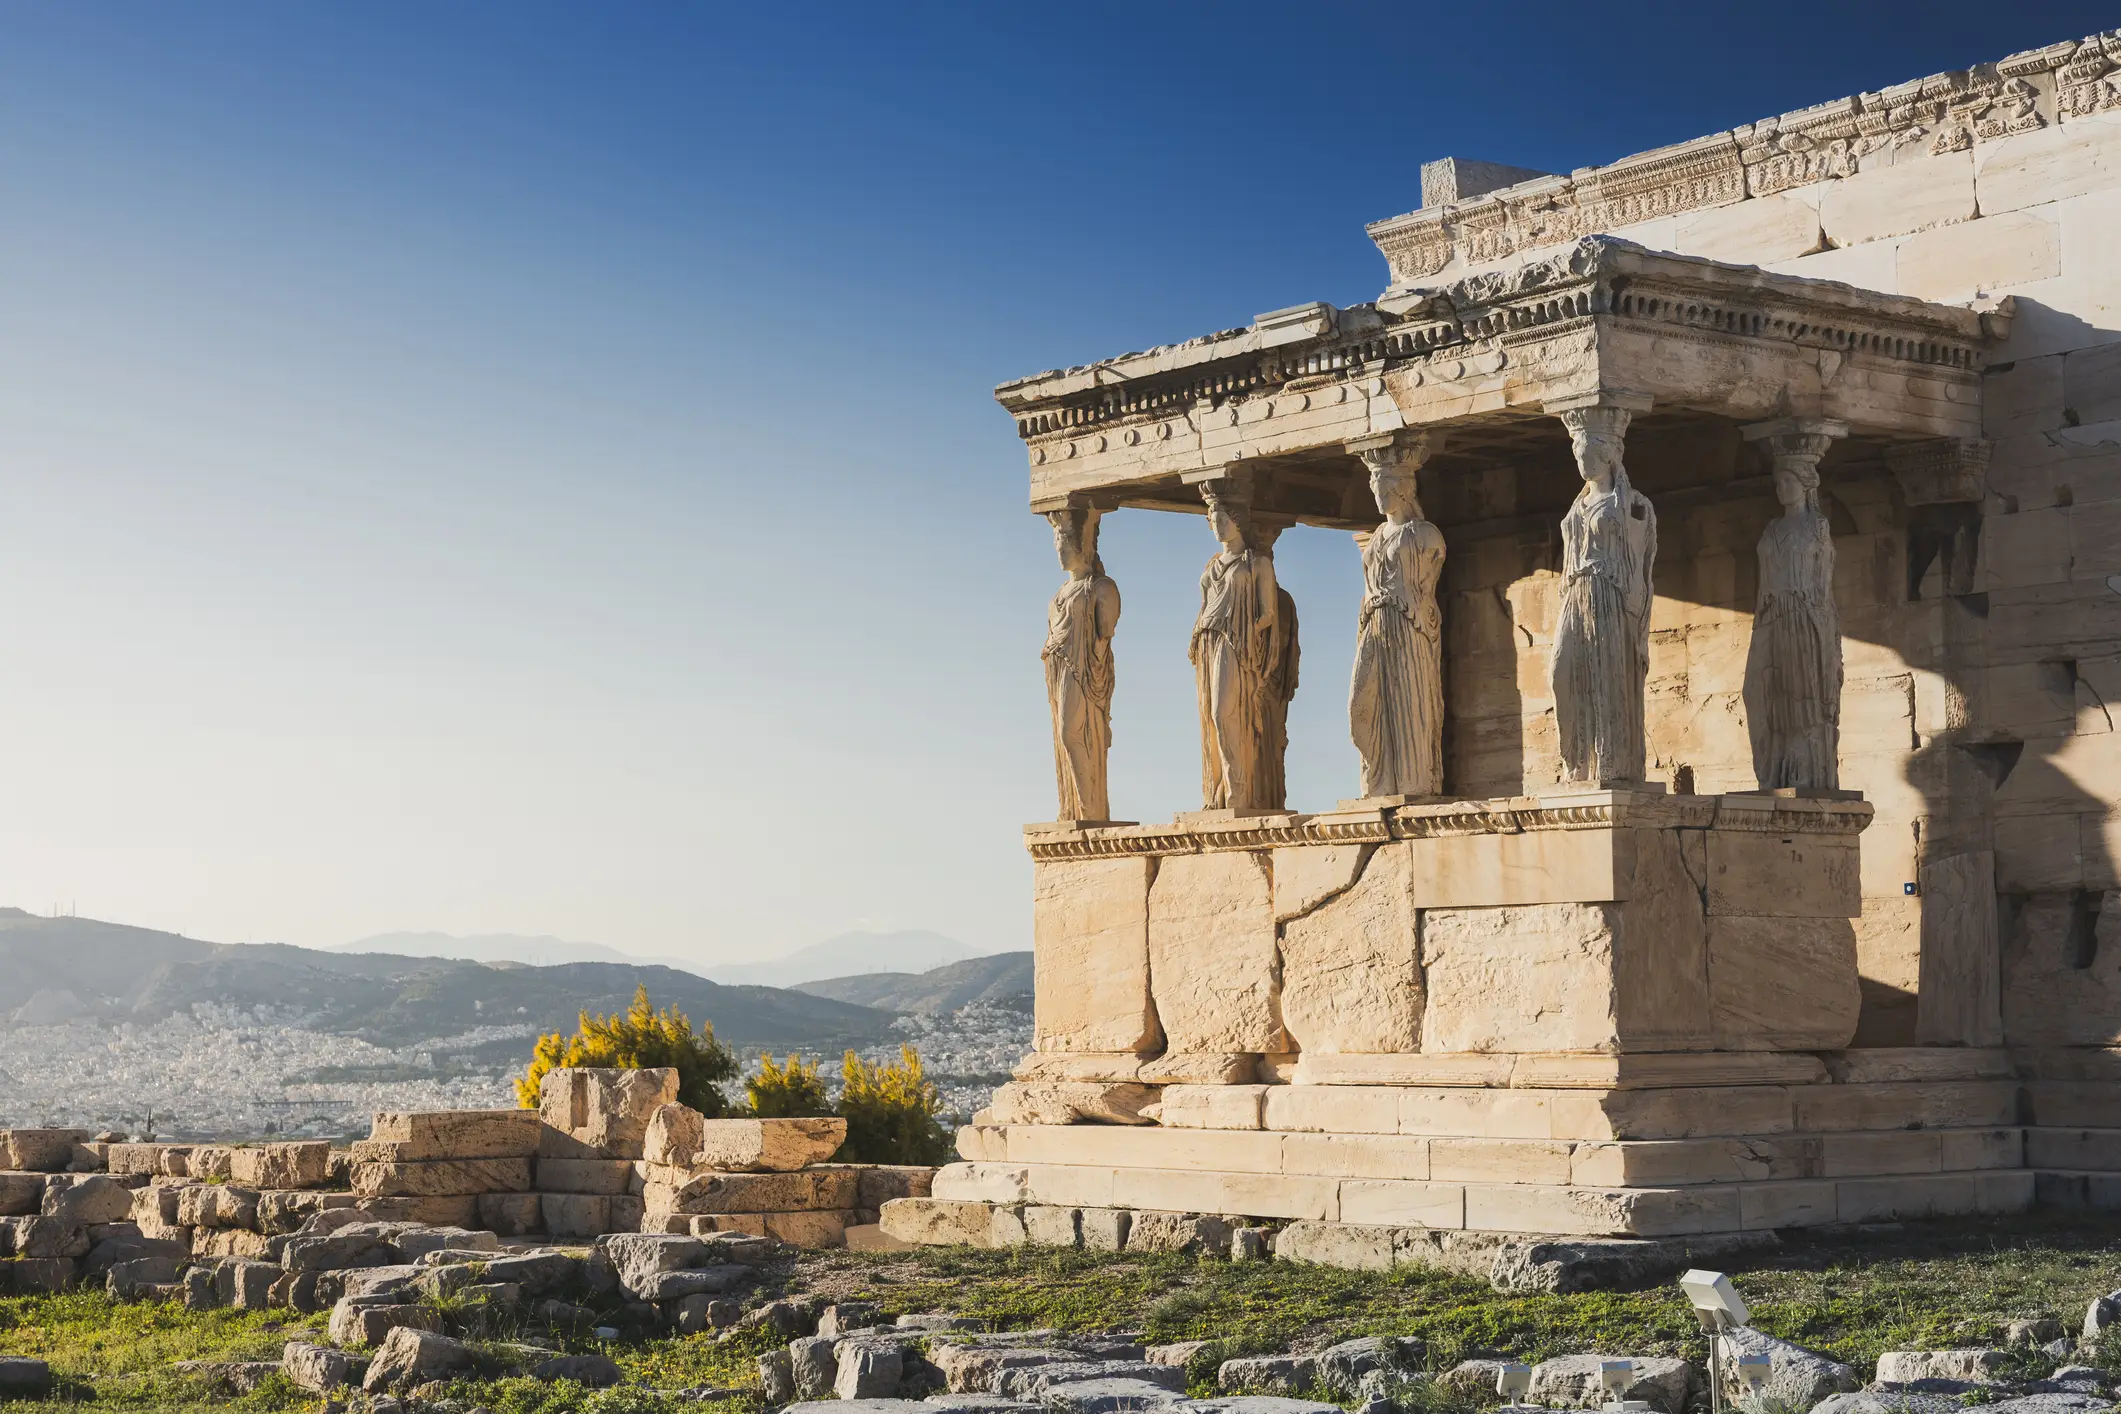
(625, 1158)
(1602, 922)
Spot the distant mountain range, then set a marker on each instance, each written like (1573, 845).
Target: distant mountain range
(912, 951)
(1004, 978)
(497, 947)
(65, 969)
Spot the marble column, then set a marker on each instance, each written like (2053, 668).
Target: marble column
(1601, 660)
(1080, 623)
(1793, 667)
(1242, 657)
(1395, 694)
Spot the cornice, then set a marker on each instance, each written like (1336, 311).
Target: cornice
(1508, 816)
(1438, 332)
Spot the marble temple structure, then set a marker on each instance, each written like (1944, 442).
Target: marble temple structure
(1735, 844)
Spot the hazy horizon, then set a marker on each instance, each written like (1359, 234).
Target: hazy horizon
(533, 469)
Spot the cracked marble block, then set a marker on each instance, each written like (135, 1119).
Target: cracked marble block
(1212, 965)
(1726, 929)
(1350, 948)
(1091, 931)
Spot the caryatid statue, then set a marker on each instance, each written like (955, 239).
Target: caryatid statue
(1602, 641)
(1282, 664)
(1238, 651)
(1080, 623)
(1793, 669)
(1395, 699)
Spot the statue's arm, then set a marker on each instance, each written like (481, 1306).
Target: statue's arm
(1107, 609)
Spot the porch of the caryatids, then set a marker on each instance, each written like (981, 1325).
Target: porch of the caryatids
(1395, 694)
(1793, 667)
(1080, 623)
(1601, 656)
(1244, 657)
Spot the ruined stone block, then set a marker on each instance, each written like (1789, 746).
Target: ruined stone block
(606, 1176)
(38, 1150)
(441, 1177)
(456, 1134)
(302, 1165)
(21, 1193)
(575, 1214)
(1090, 927)
(601, 1113)
(1212, 950)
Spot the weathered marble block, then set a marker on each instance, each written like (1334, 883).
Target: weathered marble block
(1091, 925)
(1601, 922)
(1212, 944)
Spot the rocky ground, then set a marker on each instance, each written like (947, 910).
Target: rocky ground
(1927, 1319)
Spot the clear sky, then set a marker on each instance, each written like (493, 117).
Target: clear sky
(532, 468)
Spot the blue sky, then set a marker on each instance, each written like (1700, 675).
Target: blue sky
(533, 468)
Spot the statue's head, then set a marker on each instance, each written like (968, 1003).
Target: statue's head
(1397, 492)
(1598, 453)
(1229, 512)
(1796, 481)
(1597, 435)
(1075, 538)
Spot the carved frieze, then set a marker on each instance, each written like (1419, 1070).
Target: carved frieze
(1939, 114)
(2090, 80)
(1940, 471)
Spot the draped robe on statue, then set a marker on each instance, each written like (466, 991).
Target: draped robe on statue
(1079, 681)
(1234, 653)
(1395, 699)
(1793, 668)
(1602, 640)
(1282, 663)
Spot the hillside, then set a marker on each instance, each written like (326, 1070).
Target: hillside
(543, 951)
(84, 969)
(913, 950)
(1004, 979)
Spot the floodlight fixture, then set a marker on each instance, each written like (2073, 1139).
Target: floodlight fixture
(1616, 1375)
(1720, 1309)
(1716, 1302)
(1513, 1381)
(1753, 1370)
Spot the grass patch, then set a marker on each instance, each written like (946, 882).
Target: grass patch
(1921, 1286)
(1925, 1286)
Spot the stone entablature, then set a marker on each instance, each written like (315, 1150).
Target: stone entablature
(1687, 333)
(1944, 113)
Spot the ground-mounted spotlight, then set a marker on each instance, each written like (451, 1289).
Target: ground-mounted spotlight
(1721, 1310)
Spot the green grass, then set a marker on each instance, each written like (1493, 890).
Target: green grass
(1927, 1286)
(119, 1355)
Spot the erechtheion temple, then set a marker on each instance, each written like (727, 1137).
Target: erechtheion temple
(1740, 528)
